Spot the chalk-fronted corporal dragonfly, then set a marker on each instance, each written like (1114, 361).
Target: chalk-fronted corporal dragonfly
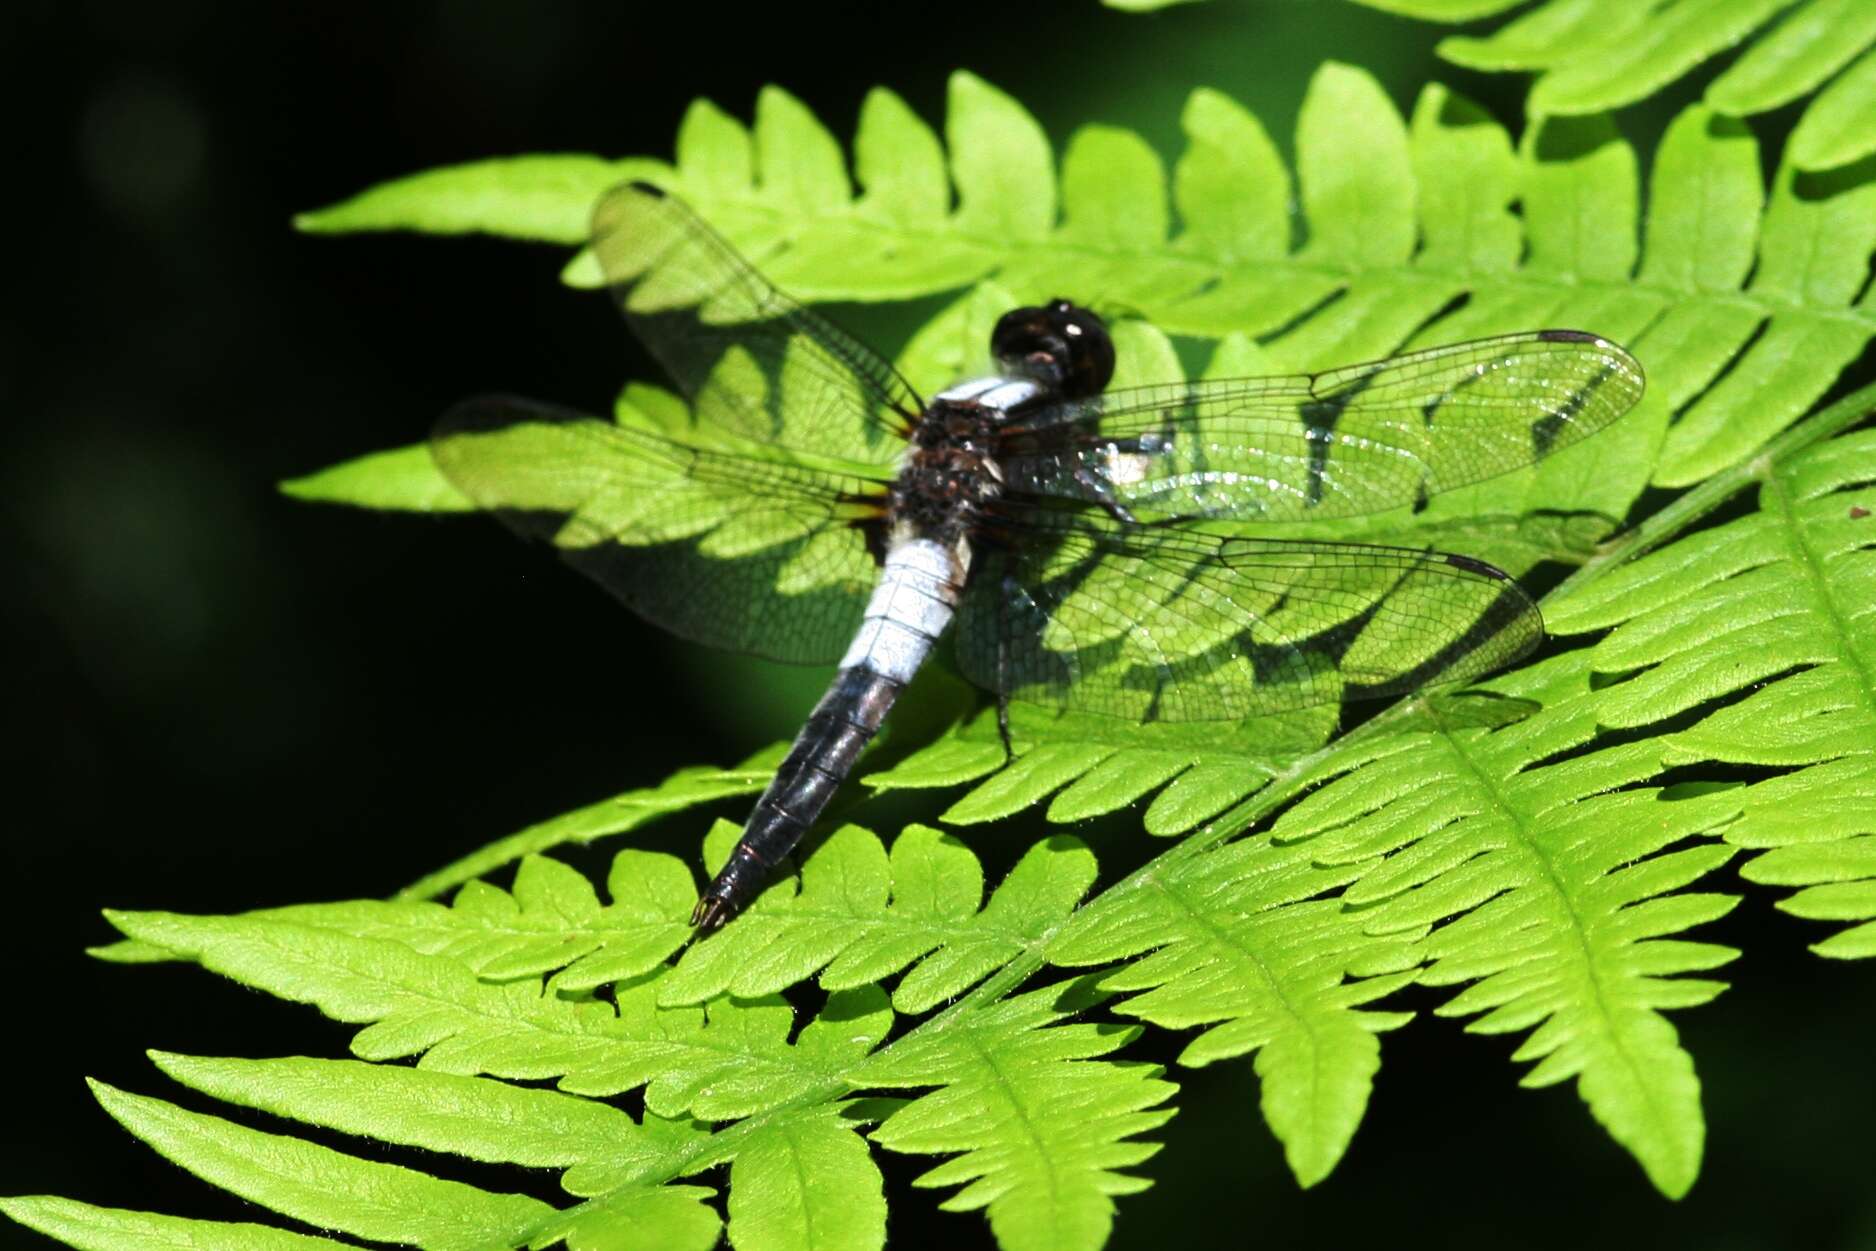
(1073, 539)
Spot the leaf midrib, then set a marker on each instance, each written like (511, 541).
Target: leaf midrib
(1578, 930)
(1039, 1146)
(1226, 938)
(1180, 248)
(1776, 493)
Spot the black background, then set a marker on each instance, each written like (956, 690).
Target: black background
(223, 699)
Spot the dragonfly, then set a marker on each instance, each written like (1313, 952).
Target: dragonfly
(1085, 547)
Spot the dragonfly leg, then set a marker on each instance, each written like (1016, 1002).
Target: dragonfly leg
(1003, 666)
(1103, 495)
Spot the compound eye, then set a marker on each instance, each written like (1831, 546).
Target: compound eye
(1090, 365)
(1019, 332)
(1059, 344)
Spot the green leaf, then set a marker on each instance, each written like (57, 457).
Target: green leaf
(730, 1060)
(1467, 180)
(90, 1228)
(1095, 765)
(798, 159)
(1043, 1126)
(859, 917)
(1703, 219)
(544, 198)
(674, 1217)
(798, 1167)
(403, 479)
(1592, 57)
(808, 1183)
(1817, 824)
(1814, 41)
(1000, 163)
(1814, 249)
(1231, 187)
(470, 1116)
(1407, 238)
(1611, 72)
(323, 1187)
(1836, 129)
(1244, 941)
(899, 163)
(552, 921)
(1442, 10)
(1357, 178)
(1551, 873)
(715, 153)
(1767, 611)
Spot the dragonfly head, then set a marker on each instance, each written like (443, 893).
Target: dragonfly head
(1059, 344)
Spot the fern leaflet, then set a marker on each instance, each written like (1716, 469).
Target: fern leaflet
(1591, 57)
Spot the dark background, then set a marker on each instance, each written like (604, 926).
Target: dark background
(222, 699)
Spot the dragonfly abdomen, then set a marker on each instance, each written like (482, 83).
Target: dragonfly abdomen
(912, 604)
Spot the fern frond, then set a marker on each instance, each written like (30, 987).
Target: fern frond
(1041, 1125)
(88, 1227)
(1787, 593)
(325, 1188)
(1084, 767)
(859, 917)
(731, 1060)
(472, 1117)
(1046, 1170)
(1835, 131)
(1820, 828)
(1250, 941)
(854, 916)
(1594, 57)
(1403, 223)
(1551, 870)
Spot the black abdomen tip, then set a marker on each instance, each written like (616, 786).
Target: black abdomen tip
(711, 914)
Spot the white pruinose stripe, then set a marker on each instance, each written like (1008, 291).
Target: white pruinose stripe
(1009, 393)
(910, 608)
(969, 389)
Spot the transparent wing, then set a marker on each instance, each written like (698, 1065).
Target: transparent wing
(733, 552)
(1362, 439)
(1078, 612)
(751, 360)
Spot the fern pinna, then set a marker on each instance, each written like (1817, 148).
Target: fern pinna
(1543, 845)
(1591, 56)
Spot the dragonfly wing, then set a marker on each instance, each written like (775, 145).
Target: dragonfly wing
(751, 360)
(734, 552)
(1351, 441)
(1078, 612)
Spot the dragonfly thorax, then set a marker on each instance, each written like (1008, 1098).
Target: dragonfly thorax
(950, 475)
